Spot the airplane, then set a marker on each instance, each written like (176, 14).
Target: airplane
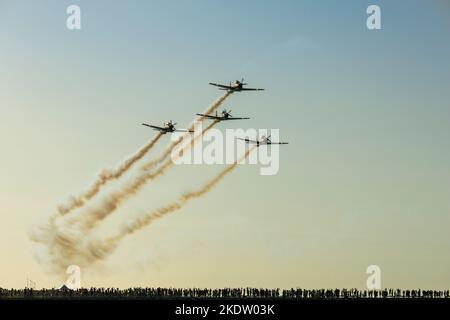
(225, 115)
(167, 127)
(263, 141)
(236, 86)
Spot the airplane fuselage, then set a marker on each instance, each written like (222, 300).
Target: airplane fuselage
(168, 127)
(237, 86)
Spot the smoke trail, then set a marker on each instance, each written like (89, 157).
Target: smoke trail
(123, 167)
(111, 203)
(185, 198)
(65, 248)
(107, 175)
(213, 107)
(65, 243)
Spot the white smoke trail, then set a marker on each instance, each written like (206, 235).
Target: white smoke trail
(159, 213)
(105, 176)
(213, 107)
(65, 243)
(92, 217)
(65, 248)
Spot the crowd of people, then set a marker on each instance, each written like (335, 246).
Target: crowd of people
(149, 293)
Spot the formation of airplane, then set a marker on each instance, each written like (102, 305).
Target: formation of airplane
(261, 141)
(235, 86)
(224, 116)
(167, 127)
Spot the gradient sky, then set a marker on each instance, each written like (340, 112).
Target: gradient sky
(365, 179)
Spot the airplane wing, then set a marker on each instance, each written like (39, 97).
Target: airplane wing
(183, 130)
(221, 86)
(235, 118)
(209, 116)
(248, 140)
(251, 89)
(154, 127)
(278, 143)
